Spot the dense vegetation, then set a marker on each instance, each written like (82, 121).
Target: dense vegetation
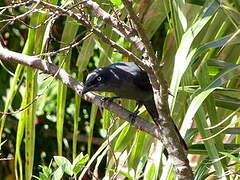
(46, 126)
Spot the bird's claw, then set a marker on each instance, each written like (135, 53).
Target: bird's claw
(106, 99)
(109, 99)
(132, 116)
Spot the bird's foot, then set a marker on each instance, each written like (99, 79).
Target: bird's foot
(109, 99)
(133, 116)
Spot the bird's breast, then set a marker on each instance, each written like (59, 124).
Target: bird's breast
(132, 92)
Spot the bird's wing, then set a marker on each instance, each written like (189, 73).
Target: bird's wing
(151, 108)
(135, 74)
(141, 80)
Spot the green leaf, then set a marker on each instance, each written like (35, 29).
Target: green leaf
(232, 157)
(79, 163)
(46, 170)
(140, 166)
(86, 52)
(117, 2)
(137, 150)
(227, 101)
(202, 169)
(43, 176)
(151, 172)
(155, 16)
(184, 53)
(125, 174)
(127, 133)
(102, 147)
(224, 76)
(57, 175)
(64, 163)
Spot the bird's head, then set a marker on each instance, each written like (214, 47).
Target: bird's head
(98, 80)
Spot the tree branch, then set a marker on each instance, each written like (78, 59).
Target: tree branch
(53, 70)
(119, 26)
(147, 45)
(79, 17)
(164, 121)
(22, 15)
(165, 131)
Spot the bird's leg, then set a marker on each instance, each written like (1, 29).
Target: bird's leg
(110, 99)
(134, 114)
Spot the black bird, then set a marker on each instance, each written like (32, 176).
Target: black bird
(126, 80)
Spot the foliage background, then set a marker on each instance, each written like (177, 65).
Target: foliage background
(197, 41)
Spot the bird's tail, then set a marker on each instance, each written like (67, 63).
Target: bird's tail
(182, 141)
(151, 108)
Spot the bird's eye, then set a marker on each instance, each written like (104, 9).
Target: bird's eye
(99, 78)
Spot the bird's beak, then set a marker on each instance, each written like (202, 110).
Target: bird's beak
(85, 90)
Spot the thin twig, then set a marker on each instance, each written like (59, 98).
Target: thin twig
(71, 45)
(37, 96)
(120, 28)
(128, 155)
(24, 14)
(16, 5)
(79, 17)
(140, 30)
(110, 146)
(53, 70)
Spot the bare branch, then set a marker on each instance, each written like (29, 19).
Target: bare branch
(70, 46)
(80, 18)
(22, 15)
(164, 130)
(16, 5)
(141, 32)
(62, 75)
(120, 28)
